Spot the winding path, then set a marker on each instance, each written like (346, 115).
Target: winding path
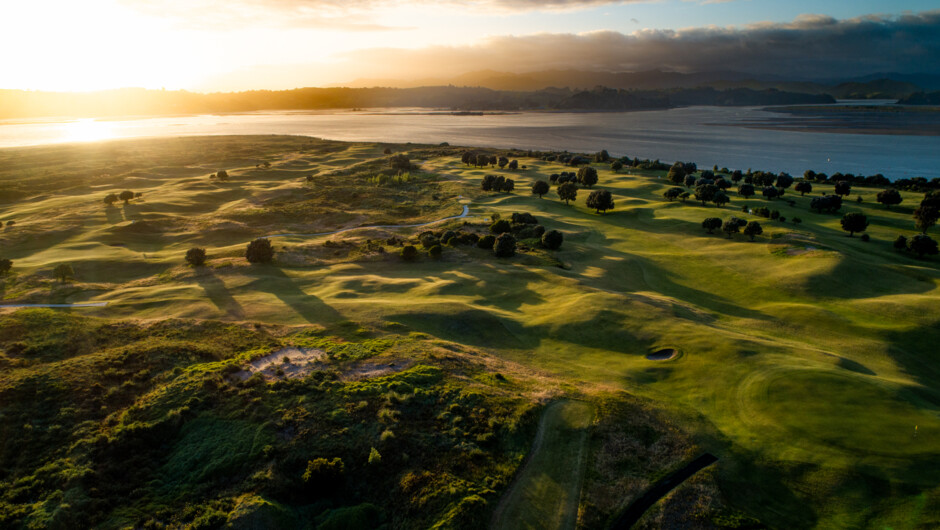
(636, 510)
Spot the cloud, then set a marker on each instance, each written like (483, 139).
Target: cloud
(310, 13)
(809, 46)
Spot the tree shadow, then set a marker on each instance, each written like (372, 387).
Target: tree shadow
(219, 294)
(271, 279)
(114, 215)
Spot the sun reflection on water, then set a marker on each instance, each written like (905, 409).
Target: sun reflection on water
(86, 130)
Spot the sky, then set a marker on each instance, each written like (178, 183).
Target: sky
(231, 45)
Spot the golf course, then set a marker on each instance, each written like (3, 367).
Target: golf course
(545, 389)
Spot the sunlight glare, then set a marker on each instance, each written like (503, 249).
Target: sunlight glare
(87, 130)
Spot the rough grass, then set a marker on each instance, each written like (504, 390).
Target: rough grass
(806, 372)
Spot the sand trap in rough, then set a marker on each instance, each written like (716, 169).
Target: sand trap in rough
(301, 362)
(663, 355)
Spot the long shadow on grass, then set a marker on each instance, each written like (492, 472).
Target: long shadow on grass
(219, 294)
(271, 279)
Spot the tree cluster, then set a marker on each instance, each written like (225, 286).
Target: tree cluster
(498, 183)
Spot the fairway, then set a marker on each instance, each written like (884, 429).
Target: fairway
(804, 359)
(545, 494)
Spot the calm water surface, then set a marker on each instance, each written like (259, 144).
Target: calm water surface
(688, 134)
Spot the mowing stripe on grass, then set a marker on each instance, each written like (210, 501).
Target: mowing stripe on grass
(546, 492)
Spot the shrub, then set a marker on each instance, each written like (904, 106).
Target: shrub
(900, 243)
(400, 163)
(374, 457)
(469, 239)
(528, 231)
(449, 237)
(524, 218)
(5, 266)
(196, 256)
(505, 246)
(222, 175)
(866, 238)
(552, 239)
(323, 473)
(487, 242)
(796, 220)
(435, 252)
(409, 253)
(428, 239)
(501, 227)
(259, 251)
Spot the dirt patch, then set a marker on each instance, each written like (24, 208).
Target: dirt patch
(370, 369)
(663, 355)
(286, 363)
(796, 251)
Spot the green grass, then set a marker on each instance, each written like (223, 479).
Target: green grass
(546, 493)
(804, 371)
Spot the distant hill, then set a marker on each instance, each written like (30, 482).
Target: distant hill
(886, 86)
(128, 102)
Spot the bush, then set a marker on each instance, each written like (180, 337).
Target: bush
(524, 218)
(501, 227)
(528, 231)
(374, 457)
(323, 473)
(505, 246)
(409, 253)
(5, 266)
(428, 239)
(900, 243)
(922, 244)
(866, 238)
(552, 239)
(222, 175)
(710, 224)
(449, 237)
(196, 256)
(487, 242)
(435, 252)
(260, 251)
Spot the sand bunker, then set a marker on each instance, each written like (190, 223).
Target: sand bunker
(299, 362)
(663, 355)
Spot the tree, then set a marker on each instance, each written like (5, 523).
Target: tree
(196, 256)
(540, 188)
(854, 222)
(567, 191)
(63, 272)
(600, 200)
(409, 253)
(222, 175)
(587, 176)
(502, 161)
(843, 188)
(602, 156)
(730, 227)
(500, 227)
(809, 174)
(705, 193)
(689, 181)
(514, 165)
(925, 217)
(722, 184)
(900, 243)
(684, 195)
(6, 265)
(770, 192)
(720, 199)
(616, 166)
(259, 251)
(752, 229)
(922, 244)
(505, 246)
(673, 193)
(676, 174)
(508, 185)
(388, 151)
(803, 187)
(736, 176)
(784, 181)
(110, 199)
(400, 163)
(486, 242)
(826, 203)
(710, 224)
(889, 197)
(746, 190)
(552, 239)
